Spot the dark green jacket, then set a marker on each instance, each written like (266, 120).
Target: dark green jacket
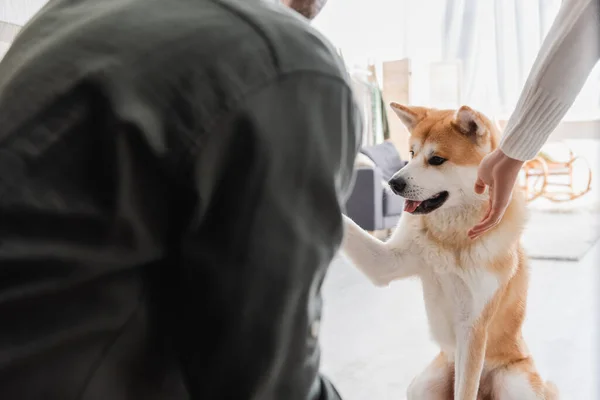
(171, 181)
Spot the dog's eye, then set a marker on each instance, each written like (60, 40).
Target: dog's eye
(412, 154)
(435, 160)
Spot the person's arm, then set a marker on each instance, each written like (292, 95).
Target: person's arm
(269, 184)
(569, 53)
(564, 62)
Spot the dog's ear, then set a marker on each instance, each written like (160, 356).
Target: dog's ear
(410, 116)
(470, 123)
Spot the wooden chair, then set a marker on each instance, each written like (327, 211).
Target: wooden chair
(552, 177)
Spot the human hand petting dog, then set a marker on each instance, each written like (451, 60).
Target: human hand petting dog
(498, 172)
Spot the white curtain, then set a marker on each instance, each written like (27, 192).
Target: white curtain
(496, 42)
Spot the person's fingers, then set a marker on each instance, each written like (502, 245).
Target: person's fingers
(480, 186)
(490, 206)
(484, 174)
(484, 226)
(494, 215)
(500, 186)
(481, 227)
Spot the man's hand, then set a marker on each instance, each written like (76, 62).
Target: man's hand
(499, 172)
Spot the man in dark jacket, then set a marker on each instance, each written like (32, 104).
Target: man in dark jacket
(171, 181)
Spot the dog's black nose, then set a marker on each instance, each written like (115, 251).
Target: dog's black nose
(398, 185)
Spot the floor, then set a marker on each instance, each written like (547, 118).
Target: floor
(374, 340)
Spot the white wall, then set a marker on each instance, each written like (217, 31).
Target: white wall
(3, 48)
(383, 29)
(379, 30)
(19, 11)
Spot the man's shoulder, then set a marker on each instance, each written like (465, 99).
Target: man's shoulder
(293, 44)
(240, 41)
(214, 50)
(247, 44)
(257, 40)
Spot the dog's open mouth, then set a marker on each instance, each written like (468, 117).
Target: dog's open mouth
(425, 206)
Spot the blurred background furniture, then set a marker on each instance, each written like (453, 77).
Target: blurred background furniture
(557, 174)
(372, 204)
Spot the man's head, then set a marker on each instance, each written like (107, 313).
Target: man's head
(308, 8)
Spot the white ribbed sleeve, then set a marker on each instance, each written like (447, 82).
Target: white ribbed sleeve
(567, 56)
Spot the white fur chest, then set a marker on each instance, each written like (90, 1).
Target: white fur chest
(454, 301)
(457, 286)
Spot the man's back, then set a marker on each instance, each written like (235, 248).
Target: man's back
(142, 256)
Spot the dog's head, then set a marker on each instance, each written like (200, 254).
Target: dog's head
(446, 147)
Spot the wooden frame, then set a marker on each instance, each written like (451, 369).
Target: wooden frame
(538, 177)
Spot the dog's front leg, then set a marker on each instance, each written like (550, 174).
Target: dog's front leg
(380, 262)
(468, 362)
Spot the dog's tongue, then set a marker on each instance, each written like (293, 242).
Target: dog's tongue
(411, 205)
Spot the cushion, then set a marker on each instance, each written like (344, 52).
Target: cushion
(386, 157)
(362, 160)
(392, 203)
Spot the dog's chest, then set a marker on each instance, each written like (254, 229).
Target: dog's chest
(454, 300)
(456, 284)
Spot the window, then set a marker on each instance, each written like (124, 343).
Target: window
(496, 42)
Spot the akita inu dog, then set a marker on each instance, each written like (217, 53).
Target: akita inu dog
(475, 291)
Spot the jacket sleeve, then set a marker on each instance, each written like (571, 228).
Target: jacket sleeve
(568, 54)
(269, 185)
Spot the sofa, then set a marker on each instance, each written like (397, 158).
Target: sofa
(372, 204)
